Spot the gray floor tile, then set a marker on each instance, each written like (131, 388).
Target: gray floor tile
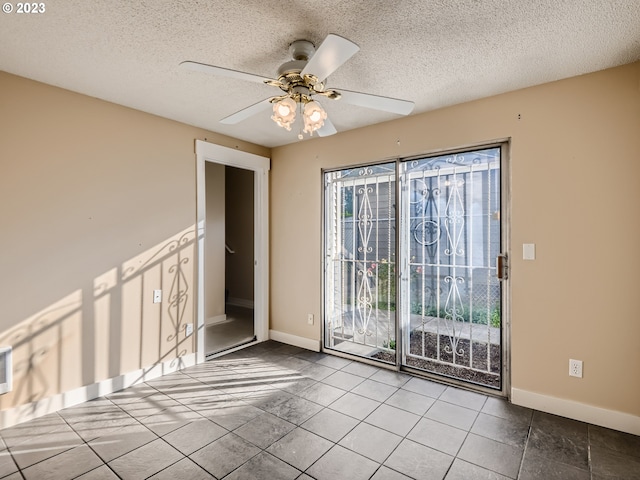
(146, 460)
(439, 436)
(7, 464)
(264, 466)
(295, 410)
(265, 429)
(503, 409)
(552, 445)
(342, 463)
(267, 399)
(225, 455)
(419, 462)
(333, 362)
(193, 413)
(300, 448)
(498, 457)
(560, 426)
(294, 363)
(424, 387)
(502, 430)
(194, 435)
(121, 441)
(296, 384)
(370, 441)
(241, 388)
(355, 405)
(317, 371)
(322, 394)
(69, 464)
(411, 402)
(207, 402)
(184, 393)
(623, 443)
(375, 390)
(40, 448)
(32, 429)
(394, 379)
(310, 356)
(149, 405)
(461, 470)
(607, 462)
(453, 415)
(464, 398)
(360, 369)
(232, 415)
(101, 473)
(393, 419)
(98, 408)
(170, 420)
(186, 469)
(343, 380)
(385, 473)
(330, 424)
(17, 476)
(534, 468)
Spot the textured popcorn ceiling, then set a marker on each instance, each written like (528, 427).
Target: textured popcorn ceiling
(433, 52)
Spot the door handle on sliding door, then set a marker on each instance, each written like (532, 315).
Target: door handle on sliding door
(502, 266)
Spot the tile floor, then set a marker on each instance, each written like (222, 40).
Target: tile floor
(276, 412)
(237, 329)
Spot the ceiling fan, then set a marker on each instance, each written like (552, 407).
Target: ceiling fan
(302, 79)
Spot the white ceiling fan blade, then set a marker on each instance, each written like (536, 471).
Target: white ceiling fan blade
(332, 52)
(247, 112)
(326, 129)
(386, 104)
(223, 72)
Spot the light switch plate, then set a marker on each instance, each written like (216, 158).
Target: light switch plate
(528, 251)
(157, 296)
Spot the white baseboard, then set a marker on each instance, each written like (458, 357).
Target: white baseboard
(621, 421)
(29, 411)
(214, 320)
(294, 340)
(240, 302)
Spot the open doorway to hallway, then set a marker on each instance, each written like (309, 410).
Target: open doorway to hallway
(230, 248)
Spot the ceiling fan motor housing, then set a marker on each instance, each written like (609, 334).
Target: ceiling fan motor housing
(301, 51)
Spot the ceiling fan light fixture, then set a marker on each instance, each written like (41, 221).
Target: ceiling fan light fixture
(314, 116)
(284, 112)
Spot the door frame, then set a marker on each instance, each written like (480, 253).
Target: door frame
(210, 152)
(505, 238)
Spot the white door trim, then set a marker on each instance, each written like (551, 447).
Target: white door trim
(209, 152)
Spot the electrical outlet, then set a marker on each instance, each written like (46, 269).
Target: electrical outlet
(575, 368)
(188, 329)
(310, 318)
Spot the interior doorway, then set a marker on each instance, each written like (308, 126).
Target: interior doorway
(233, 270)
(236, 326)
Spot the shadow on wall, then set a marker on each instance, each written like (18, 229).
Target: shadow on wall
(108, 327)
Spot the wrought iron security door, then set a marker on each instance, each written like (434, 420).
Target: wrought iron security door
(451, 239)
(360, 246)
(449, 298)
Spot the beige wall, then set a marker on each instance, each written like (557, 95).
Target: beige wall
(575, 187)
(214, 257)
(97, 209)
(240, 234)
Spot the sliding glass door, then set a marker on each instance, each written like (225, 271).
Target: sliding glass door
(421, 293)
